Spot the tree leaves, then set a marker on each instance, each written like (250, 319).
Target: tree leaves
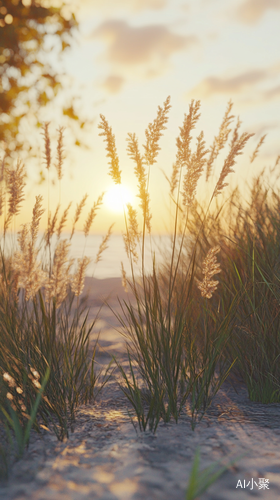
(25, 78)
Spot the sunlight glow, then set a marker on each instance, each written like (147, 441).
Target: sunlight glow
(117, 197)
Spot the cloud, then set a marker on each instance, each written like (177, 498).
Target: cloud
(136, 52)
(262, 128)
(113, 84)
(129, 47)
(231, 85)
(271, 93)
(113, 5)
(251, 11)
(185, 7)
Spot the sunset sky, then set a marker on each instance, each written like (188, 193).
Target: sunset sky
(129, 56)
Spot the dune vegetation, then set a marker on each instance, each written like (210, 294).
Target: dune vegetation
(188, 331)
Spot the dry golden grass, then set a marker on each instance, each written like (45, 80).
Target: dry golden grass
(235, 150)
(164, 322)
(78, 212)
(133, 236)
(57, 284)
(193, 163)
(221, 140)
(59, 156)
(77, 283)
(115, 171)
(92, 214)
(63, 220)
(103, 244)
(255, 153)
(209, 268)
(15, 188)
(140, 172)
(47, 141)
(27, 270)
(159, 328)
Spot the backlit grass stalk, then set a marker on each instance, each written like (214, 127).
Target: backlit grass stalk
(205, 359)
(37, 324)
(157, 356)
(249, 238)
(147, 312)
(256, 341)
(155, 336)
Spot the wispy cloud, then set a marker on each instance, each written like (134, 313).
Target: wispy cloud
(128, 45)
(113, 84)
(139, 51)
(272, 93)
(262, 128)
(251, 11)
(132, 5)
(234, 84)
(185, 7)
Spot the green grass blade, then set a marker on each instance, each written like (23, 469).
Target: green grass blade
(35, 407)
(200, 481)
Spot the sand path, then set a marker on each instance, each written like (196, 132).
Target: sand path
(105, 458)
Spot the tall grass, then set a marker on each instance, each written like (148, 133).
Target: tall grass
(39, 331)
(249, 259)
(164, 347)
(187, 331)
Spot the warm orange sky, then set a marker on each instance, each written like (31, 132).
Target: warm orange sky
(129, 56)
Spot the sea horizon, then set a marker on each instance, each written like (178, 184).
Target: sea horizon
(110, 264)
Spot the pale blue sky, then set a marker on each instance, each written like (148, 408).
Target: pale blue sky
(131, 54)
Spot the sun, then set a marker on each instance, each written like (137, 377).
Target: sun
(117, 197)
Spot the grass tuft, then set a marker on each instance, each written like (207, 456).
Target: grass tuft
(184, 334)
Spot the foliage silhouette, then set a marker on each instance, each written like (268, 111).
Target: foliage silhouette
(28, 82)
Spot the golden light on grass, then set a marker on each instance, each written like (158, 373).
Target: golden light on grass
(182, 346)
(117, 197)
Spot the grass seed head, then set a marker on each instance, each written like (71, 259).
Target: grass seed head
(255, 153)
(230, 161)
(195, 166)
(59, 152)
(174, 178)
(184, 139)
(133, 235)
(63, 220)
(92, 214)
(124, 279)
(221, 139)
(77, 283)
(51, 225)
(47, 144)
(3, 168)
(209, 268)
(37, 214)
(235, 132)
(103, 244)
(16, 185)
(28, 272)
(58, 282)
(115, 171)
(79, 208)
(133, 152)
(153, 133)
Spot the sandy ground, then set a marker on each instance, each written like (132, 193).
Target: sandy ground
(105, 458)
